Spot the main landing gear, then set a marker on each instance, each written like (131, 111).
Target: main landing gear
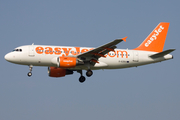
(30, 68)
(82, 78)
(89, 73)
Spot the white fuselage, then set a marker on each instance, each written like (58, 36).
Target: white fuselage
(64, 60)
(41, 55)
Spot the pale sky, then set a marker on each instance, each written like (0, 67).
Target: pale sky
(149, 92)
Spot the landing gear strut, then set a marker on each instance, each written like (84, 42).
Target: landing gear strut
(30, 68)
(82, 78)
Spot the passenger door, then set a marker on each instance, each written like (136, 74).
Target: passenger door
(31, 50)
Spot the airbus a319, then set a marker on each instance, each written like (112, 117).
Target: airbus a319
(64, 60)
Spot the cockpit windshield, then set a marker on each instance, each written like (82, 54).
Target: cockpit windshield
(18, 50)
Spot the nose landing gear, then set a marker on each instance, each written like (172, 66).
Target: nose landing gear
(30, 68)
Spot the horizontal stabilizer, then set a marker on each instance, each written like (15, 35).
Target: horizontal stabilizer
(161, 54)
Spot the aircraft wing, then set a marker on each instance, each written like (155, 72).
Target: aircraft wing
(100, 51)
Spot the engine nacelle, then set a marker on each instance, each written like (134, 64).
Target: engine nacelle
(58, 72)
(67, 62)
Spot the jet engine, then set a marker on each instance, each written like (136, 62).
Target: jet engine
(58, 72)
(67, 62)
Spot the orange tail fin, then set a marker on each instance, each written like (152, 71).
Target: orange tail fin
(156, 39)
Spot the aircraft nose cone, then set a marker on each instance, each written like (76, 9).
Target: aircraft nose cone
(8, 57)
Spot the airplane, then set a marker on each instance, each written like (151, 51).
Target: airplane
(64, 60)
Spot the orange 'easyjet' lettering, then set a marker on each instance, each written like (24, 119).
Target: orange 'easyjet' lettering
(113, 55)
(77, 51)
(57, 51)
(48, 50)
(122, 53)
(84, 50)
(67, 51)
(39, 50)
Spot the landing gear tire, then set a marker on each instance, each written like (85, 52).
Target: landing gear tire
(82, 79)
(89, 73)
(29, 74)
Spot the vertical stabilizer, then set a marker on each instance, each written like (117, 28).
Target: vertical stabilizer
(156, 39)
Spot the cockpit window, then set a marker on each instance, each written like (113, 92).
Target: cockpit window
(18, 50)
